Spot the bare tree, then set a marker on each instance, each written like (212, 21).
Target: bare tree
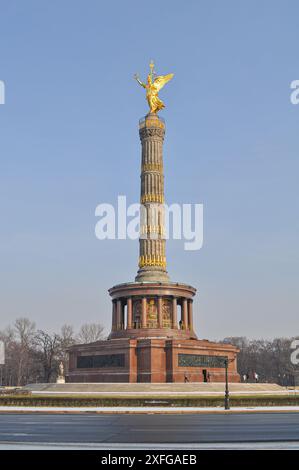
(7, 335)
(24, 333)
(8, 372)
(48, 348)
(25, 330)
(270, 359)
(90, 332)
(34, 356)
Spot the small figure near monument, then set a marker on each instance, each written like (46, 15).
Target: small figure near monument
(61, 369)
(60, 378)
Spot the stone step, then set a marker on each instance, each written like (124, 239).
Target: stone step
(154, 388)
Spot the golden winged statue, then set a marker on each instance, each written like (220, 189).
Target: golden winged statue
(153, 86)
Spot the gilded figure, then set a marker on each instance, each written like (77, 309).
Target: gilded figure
(153, 86)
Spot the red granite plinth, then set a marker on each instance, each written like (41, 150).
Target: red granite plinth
(150, 360)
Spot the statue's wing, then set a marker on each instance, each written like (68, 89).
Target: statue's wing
(160, 81)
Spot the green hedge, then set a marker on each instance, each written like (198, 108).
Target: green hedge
(75, 401)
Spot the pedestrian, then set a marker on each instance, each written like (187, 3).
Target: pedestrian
(256, 377)
(244, 378)
(186, 379)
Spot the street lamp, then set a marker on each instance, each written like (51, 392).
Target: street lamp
(226, 397)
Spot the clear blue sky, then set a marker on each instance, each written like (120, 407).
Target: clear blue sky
(69, 140)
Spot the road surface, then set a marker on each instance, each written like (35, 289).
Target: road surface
(108, 431)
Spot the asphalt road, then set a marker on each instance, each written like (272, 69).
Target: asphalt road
(140, 429)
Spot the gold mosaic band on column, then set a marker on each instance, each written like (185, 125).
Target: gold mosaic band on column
(159, 229)
(152, 198)
(152, 260)
(152, 167)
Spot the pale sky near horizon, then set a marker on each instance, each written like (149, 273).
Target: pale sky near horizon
(69, 141)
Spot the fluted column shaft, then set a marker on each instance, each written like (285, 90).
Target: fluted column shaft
(152, 256)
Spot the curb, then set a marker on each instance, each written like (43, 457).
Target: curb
(25, 410)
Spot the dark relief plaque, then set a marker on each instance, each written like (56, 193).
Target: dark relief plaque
(196, 360)
(98, 362)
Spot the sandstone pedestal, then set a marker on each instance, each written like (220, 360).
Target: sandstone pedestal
(60, 380)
